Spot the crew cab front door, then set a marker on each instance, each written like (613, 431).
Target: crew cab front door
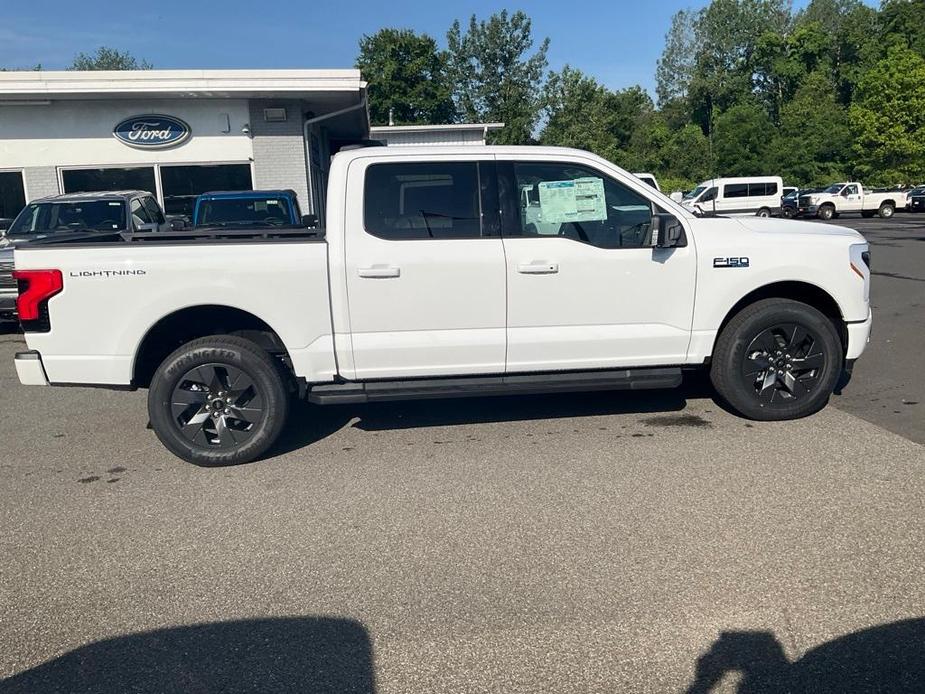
(424, 267)
(586, 289)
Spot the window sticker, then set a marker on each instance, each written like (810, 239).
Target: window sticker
(577, 200)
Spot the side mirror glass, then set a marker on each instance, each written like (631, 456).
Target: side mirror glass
(669, 232)
(309, 220)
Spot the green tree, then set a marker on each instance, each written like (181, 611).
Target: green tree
(888, 119)
(577, 115)
(106, 58)
(407, 75)
(741, 140)
(580, 112)
(904, 19)
(495, 78)
(675, 67)
(728, 34)
(813, 144)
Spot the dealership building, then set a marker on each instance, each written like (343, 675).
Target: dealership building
(179, 133)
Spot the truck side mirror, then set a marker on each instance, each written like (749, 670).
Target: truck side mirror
(152, 226)
(309, 220)
(669, 232)
(177, 224)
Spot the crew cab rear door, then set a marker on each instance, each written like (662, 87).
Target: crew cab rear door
(586, 289)
(425, 270)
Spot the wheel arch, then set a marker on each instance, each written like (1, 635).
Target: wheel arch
(796, 290)
(192, 322)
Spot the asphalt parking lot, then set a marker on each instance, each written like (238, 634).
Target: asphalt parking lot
(577, 543)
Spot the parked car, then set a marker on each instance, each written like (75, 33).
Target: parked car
(116, 212)
(648, 179)
(429, 282)
(788, 204)
(916, 199)
(846, 198)
(270, 208)
(736, 197)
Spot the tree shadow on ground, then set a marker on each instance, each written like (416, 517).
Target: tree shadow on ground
(888, 658)
(293, 654)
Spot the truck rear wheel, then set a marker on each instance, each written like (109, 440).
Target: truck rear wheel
(826, 212)
(777, 359)
(886, 210)
(218, 400)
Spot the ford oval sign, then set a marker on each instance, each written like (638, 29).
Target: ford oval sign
(152, 131)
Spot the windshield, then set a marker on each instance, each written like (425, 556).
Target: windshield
(791, 195)
(690, 195)
(834, 188)
(243, 212)
(50, 217)
(919, 190)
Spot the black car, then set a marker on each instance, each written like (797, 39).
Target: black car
(917, 199)
(790, 203)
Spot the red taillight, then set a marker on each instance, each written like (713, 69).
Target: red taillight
(35, 288)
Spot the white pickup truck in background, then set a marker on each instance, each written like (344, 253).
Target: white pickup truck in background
(446, 272)
(850, 197)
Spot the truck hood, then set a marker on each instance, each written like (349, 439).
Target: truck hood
(793, 227)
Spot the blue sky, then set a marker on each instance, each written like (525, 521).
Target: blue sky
(617, 41)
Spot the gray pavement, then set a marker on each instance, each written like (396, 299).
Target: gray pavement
(642, 542)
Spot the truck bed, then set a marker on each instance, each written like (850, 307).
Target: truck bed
(117, 289)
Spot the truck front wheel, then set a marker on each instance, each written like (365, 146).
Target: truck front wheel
(777, 359)
(218, 400)
(826, 212)
(886, 210)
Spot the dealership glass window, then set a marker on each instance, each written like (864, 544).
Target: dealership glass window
(12, 194)
(92, 180)
(182, 184)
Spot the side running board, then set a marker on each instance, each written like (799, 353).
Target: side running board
(512, 384)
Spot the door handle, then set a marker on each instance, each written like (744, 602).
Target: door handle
(538, 267)
(379, 271)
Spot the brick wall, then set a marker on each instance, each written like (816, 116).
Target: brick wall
(279, 151)
(40, 182)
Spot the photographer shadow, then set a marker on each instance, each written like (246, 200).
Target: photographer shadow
(888, 659)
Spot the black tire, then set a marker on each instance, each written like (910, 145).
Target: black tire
(763, 212)
(826, 212)
(787, 212)
(886, 210)
(218, 400)
(793, 377)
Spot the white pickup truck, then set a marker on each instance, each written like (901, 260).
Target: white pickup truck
(432, 279)
(847, 198)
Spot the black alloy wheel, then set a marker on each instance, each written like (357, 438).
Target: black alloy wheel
(782, 364)
(217, 405)
(219, 400)
(777, 359)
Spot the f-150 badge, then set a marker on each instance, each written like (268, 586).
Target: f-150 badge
(730, 262)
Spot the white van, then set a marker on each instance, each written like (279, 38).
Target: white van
(737, 197)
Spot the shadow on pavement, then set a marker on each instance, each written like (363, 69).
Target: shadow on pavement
(309, 424)
(889, 658)
(297, 654)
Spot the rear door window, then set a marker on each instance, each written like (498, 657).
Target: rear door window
(422, 200)
(735, 190)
